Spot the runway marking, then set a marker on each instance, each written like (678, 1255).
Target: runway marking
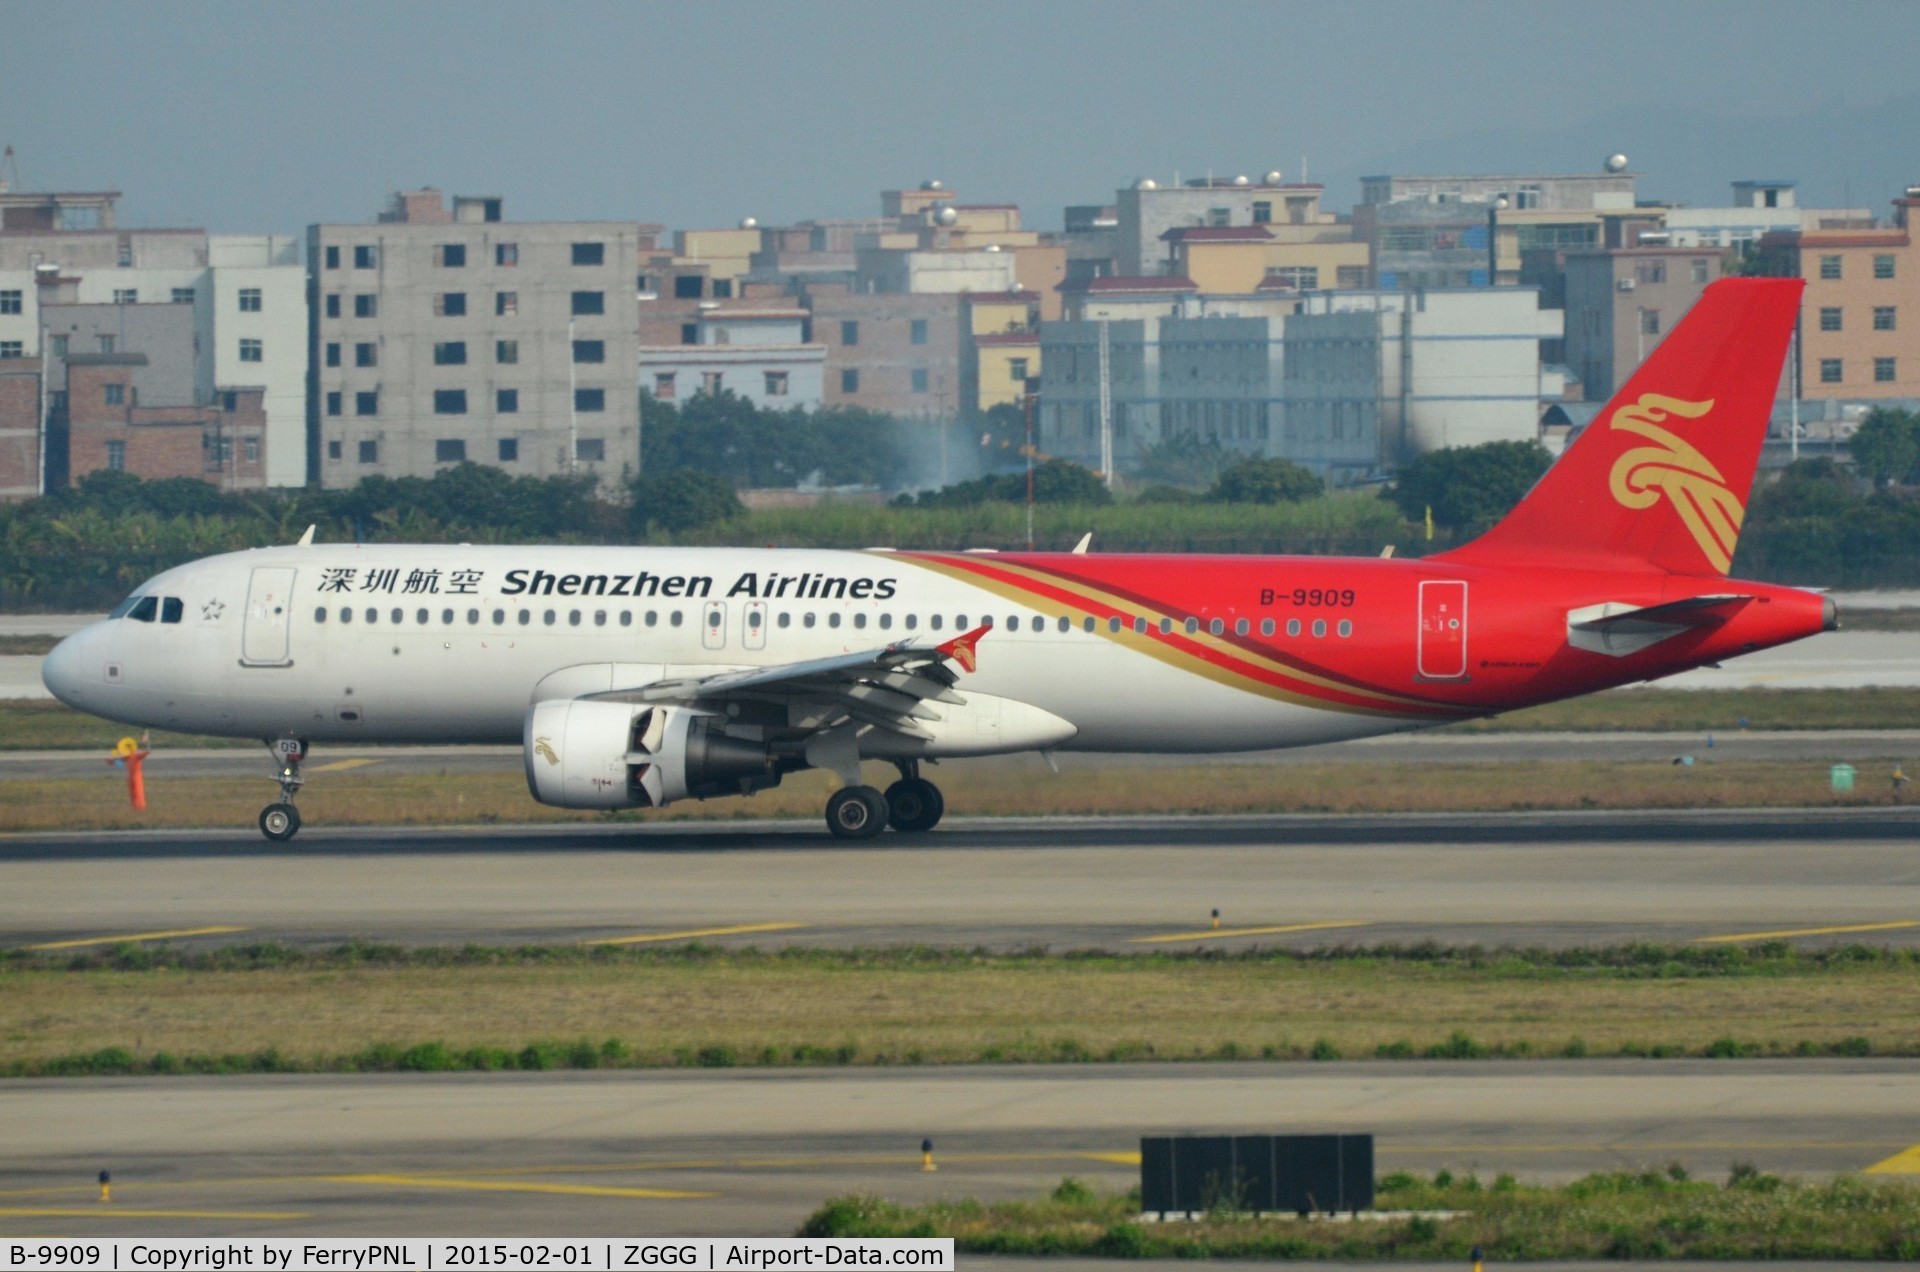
(1120, 1158)
(1251, 931)
(119, 1212)
(498, 1185)
(341, 766)
(645, 937)
(1819, 931)
(1902, 1163)
(135, 936)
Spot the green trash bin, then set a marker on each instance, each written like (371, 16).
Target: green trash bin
(1842, 777)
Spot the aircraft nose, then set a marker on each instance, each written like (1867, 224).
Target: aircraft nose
(60, 670)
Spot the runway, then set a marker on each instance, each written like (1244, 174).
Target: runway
(754, 1151)
(1529, 879)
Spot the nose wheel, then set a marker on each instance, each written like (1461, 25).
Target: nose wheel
(281, 821)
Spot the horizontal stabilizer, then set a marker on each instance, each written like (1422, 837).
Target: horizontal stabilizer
(1619, 629)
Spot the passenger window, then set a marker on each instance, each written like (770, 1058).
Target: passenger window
(549, 617)
(1345, 628)
(1113, 624)
(1293, 627)
(1319, 628)
(913, 621)
(1013, 623)
(171, 609)
(1266, 627)
(573, 618)
(1140, 626)
(1216, 627)
(959, 622)
(473, 618)
(373, 615)
(626, 618)
(859, 620)
(1193, 625)
(653, 618)
(1066, 624)
(446, 617)
(673, 619)
(346, 615)
(526, 616)
(886, 622)
(807, 621)
(599, 618)
(1088, 623)
(713, 620)
(144, 609)
(784, 620)
(1240, 628)
(499, 617)
(935, 622)
(424, 617)
(320, 614)
(1166, 625)
(398, 616)
(833, 620)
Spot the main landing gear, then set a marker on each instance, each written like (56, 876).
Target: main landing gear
(911, 805)
(281, 822)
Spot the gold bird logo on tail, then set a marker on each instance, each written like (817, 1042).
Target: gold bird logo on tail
(1675, 468)
(544, 749)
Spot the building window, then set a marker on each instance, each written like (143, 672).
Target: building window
(689, 333)
(13, 348)
(186, 295)
(1649, 322)
(106, 343)
(712, 381)
(687, 287)
(366, 305)
(450, 304)
(591, 450)
(449, 401)
(333, 256)
(229, 400)
(849, 332)
(1830, 370)
(589, 253)
(588, 400)
(369, 452)
(1829, 267)
(117, 456)
(333, 353)
(1830, 318)
(333, 405)
(450, 450)
(450, 353)
(1651, 271)
(333, 306)
(1298, 277)
(250, 450)
(723, 289)
(252, 351)
(506, 401)
(12, 300)
(506, 302)
(59, 346)
(366, 402)
(506, 254)
(506, 352)
(776, 384)
(850, 381)
(366, 354)
(126, 295)
(1350, 277)
(1017, 370)
(1219, 216)
(663, 385)
(366, 256)
(249, 300)
(1699, 265)
(1262, 212)
(1883, 371)
(917, 333)
(1883, 318)
(333, 450)
(509, 450)
(589, 302)
(640, 284)
(116, 394)
(589, 351)
(451, 255)
(919, 379)
(1883, 267)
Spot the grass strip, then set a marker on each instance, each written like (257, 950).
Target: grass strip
(1011, 787)
(1620, 1215)
(357, 1009)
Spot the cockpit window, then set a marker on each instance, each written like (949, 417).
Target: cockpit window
(144, 609)
(171, 609)
(126, 607)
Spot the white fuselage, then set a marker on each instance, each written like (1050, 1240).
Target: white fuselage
(451, 644)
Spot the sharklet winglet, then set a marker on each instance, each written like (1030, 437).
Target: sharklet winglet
(962, 648)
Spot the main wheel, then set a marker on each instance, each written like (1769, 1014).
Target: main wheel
(914, 805)
(856, 812)
(279, 822)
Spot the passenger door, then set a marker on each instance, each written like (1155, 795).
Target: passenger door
(1443, 630)
(265, 633)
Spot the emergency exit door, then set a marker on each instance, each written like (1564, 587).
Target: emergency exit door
(1443, 630)
(713, 625)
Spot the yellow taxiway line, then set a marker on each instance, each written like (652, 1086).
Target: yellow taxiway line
(121, 1212)
(741, 929)
(1819, 931)
(1250, 931)
(503, 1185)
(1902, 1163)
(341, 766)
(135, 936)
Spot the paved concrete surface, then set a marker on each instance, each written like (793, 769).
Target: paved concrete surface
(618, 1153)
(1549, 879)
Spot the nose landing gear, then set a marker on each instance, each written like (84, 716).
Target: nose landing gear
(281, 822)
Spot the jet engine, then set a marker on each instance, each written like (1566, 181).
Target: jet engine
(582, 753)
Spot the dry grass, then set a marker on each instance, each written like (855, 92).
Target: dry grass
(762, 1009)
(1003, 788)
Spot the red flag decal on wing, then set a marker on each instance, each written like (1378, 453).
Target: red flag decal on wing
(961, 648)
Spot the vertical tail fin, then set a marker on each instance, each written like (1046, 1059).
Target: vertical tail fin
(1662, 474)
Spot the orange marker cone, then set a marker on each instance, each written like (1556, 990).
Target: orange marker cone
(133, 754)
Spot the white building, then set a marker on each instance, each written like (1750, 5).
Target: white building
(757, 352)
(1759, 207)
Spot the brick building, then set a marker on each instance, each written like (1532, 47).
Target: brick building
(106, 426)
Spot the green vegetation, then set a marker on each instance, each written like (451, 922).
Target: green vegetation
(148, 1009)
(1468, 487)
(1815, 525)
(1618, 1215)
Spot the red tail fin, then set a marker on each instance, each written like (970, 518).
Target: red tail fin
(1661, 476)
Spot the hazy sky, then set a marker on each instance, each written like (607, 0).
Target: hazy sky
(267, 116)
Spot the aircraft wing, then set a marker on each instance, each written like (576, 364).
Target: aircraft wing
(888, 687)
(1620, 630)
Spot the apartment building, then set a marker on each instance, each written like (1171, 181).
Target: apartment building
(757, 351)
(446, 336)
(1146, 210)
(108, 427)
(1621, 303)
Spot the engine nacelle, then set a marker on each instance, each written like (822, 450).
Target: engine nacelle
(592, 754)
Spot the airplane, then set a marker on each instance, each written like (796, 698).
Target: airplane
(634, 677)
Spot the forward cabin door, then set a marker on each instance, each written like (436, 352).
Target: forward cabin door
(264, 636)
(1443, 630)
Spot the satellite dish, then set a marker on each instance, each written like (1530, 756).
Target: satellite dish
(749, 223)
(1272, 177)
(1146, 183)
(1616, 162)
(946, 216)
(1242, 180)
(933, 183)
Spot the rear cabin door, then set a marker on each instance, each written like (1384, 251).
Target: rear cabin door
(1443, 630)
(264, 637)
(713, 625)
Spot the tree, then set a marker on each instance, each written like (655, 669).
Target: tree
(1468, 486)
(682, 500)
(1186, 460)
(1057, 481)
(1267, 481)
(1886, 446)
